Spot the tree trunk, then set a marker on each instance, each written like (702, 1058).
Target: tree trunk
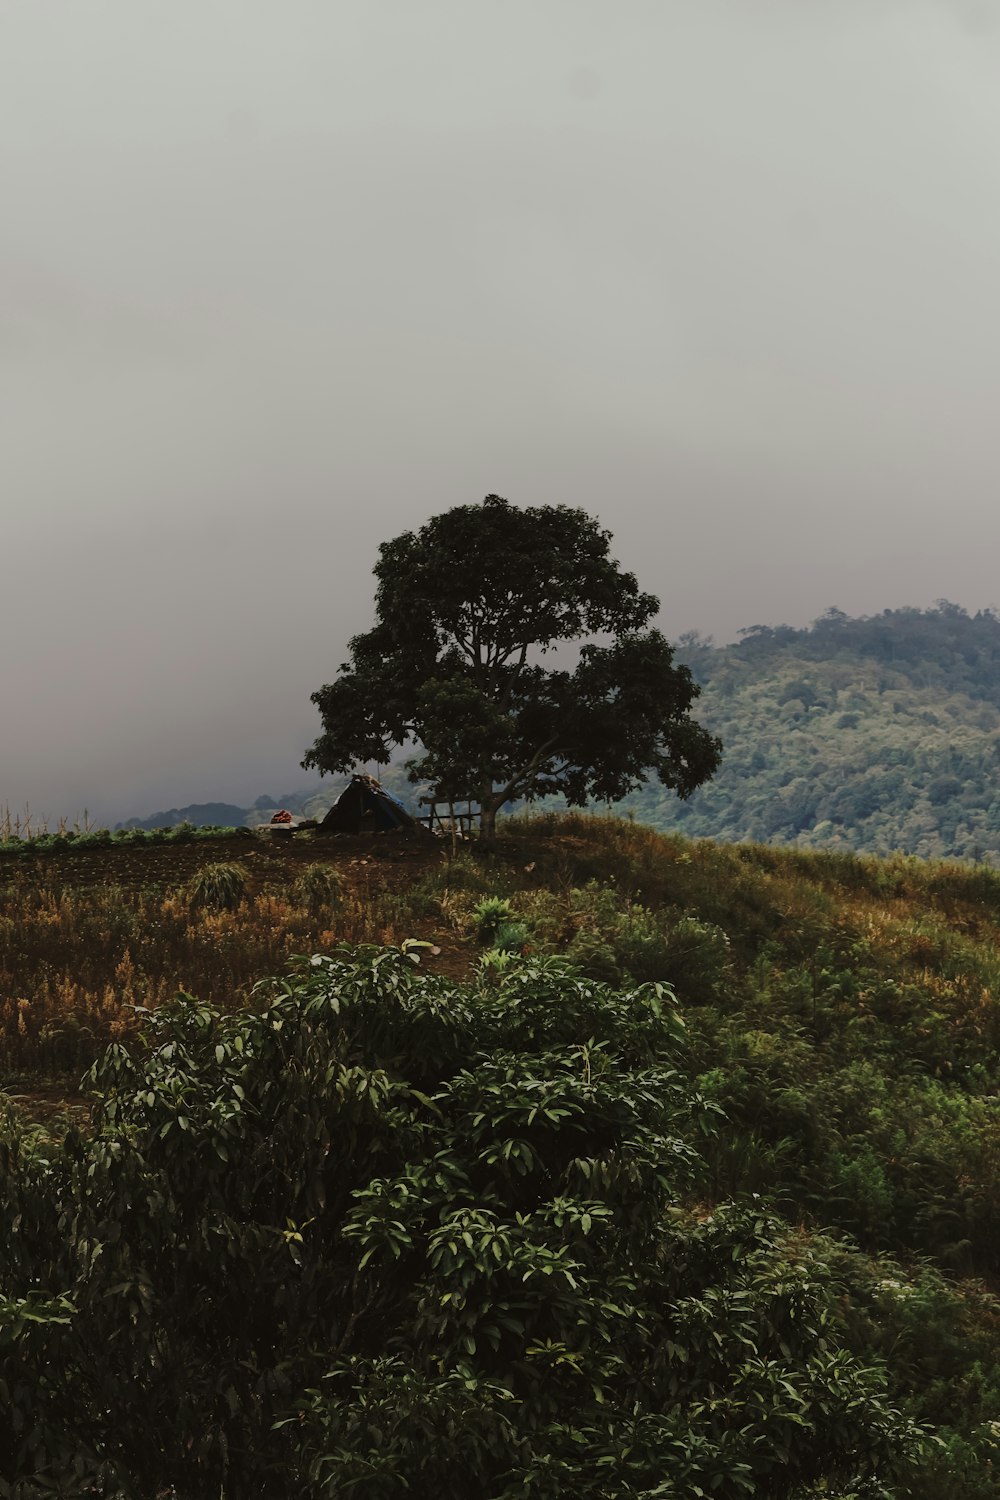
(487, 817)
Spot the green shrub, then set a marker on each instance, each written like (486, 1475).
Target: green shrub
(319, 888)
(489, 916)
(218, 886)
(94, 838)
(559, 915)
(642, 945)
(697, 958)
(130, 837)
(594, 957)
(46, 843)
(275, 1267)
(184, 833)
(512, 937)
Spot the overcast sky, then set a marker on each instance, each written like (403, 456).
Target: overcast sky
(279, 280)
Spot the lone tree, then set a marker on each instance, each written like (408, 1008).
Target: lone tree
(464, 608)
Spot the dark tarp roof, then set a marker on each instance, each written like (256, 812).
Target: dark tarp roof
(364, 804)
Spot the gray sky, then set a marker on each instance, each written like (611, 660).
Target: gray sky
(278, 280)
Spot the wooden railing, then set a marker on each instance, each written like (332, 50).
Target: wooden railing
(447, 818)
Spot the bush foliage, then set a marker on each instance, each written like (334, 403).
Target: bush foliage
(127, 838)
(382, 1234)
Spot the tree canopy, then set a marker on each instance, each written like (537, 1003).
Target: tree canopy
(465, 607)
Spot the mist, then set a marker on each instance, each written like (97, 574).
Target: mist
(277, 283)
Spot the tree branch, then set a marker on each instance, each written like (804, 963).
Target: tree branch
(508, 692)
(523, 777)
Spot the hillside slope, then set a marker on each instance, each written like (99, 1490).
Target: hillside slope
(826, 1246)
(878, 734)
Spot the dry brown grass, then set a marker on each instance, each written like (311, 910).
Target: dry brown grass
(86, 938)
(75, 963)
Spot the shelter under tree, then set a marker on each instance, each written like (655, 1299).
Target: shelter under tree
(365, 806)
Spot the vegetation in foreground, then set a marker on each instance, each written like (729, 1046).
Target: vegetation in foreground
(386, 1235)
(836, 1081)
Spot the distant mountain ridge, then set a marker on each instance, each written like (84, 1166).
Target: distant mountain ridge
(305, 803)
(198, 814)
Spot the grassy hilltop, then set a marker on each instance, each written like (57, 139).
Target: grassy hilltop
(776, 1204)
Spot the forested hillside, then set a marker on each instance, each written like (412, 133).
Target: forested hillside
(876, 734)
